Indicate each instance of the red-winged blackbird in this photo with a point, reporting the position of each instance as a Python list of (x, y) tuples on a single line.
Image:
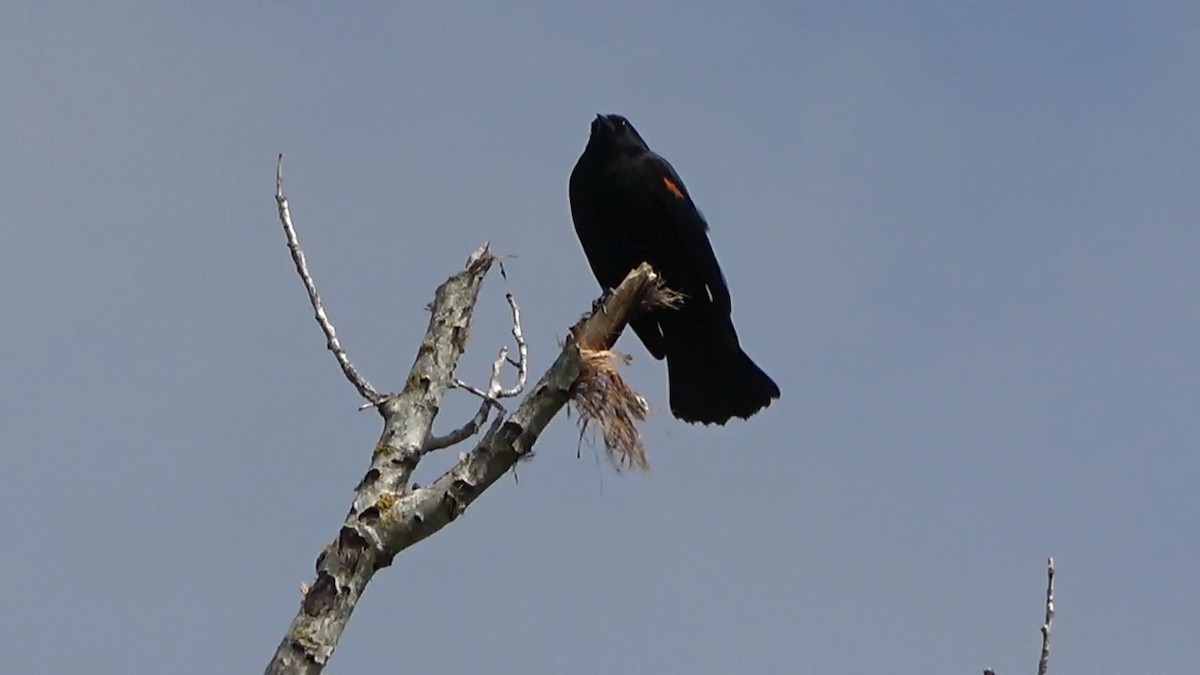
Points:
[(630, 207)]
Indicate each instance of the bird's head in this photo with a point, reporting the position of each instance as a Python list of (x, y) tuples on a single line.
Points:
[(613, 134)]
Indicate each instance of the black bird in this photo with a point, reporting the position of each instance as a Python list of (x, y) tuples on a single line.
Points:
[(630, 207)]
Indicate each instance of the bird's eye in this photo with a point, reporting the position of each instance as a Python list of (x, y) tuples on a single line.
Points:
[(623, 122)]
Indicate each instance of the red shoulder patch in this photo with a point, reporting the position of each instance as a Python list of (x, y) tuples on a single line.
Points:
[(672, 188)]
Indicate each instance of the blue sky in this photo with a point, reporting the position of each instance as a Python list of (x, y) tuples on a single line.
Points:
[(962, 237)]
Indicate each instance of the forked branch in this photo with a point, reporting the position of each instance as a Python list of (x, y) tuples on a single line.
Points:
[(495, 390), (388, 515)]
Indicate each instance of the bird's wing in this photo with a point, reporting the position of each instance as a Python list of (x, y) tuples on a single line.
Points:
[(690, 230), (648, 331)]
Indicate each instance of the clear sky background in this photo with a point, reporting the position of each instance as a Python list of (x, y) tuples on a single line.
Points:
[(962, 237)]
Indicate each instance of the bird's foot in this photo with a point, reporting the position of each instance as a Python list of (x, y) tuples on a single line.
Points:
[(598, 303)]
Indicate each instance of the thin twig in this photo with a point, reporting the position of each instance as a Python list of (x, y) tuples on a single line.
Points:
[(480, 417), (1044, 661), (491, 396), (522, 350), (360, 383), (495, 390)]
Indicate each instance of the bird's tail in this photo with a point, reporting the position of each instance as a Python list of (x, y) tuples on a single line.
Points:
[(711, 378)]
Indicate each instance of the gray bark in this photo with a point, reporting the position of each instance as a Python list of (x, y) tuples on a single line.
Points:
[(387, 515)]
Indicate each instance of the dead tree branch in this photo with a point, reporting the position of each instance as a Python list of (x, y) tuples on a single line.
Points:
[(495, 390), (387, 516), (360, 383), (522, 349), (1044, 660)]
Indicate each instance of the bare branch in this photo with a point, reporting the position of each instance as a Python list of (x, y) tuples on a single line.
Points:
[(522, 350), (495, 390), (385, 518), (1044, 660), (427, 510), (360, 383), (490, 396), (462, 433), (481, 416), (348, 562)]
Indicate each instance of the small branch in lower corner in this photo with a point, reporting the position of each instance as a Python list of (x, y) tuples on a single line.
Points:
[(1044, 660)]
